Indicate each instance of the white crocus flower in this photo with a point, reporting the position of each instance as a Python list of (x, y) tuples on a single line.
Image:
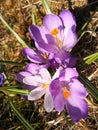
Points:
[(42, 82)]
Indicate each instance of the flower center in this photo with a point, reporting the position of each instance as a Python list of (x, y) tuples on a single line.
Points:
[(55, 32), (66, 93), (45, 85), (44, 55)]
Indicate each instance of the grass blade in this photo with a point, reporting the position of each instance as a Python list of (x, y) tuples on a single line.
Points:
[(23, 43), (92, 89), (89, 59), (20, 117), (46, 7), (18, 91)]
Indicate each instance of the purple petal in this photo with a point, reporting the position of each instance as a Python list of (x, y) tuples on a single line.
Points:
[(79, 111), (68, 74), (56, 92), (51, 22), (77, 88), (31, 55), (62, 57), (37, 33), (72, 62), (20, 76), (28, 87), (59, 102), (42, 38), (68, 19), (32, 68), (1, 79), (69, 40)]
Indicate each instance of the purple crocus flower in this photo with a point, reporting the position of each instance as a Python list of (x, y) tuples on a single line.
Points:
[(46, 60), (53, 40), (1, 79), (67, 90), (40, 83)]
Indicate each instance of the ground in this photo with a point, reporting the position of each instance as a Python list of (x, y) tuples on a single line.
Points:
[(18, 13)]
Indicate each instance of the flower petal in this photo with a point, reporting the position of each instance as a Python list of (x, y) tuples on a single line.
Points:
[(33, 80), (27, 87), (36, 93), (32, 68), (48, 102), (43, 40), (57, 73), (68, 74), (45, 75), (1, 79), (59, 102), (20, 76), (32, 55), (62, 57), (40, 31), (51, 22), (68, 19), (79, 110), (77, 88), (69, 39), (56, 92), (72, 62)]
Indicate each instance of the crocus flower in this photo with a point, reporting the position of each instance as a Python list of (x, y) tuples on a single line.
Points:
[(56, 37), (68, 91), (1, 79), (41, 82), (30, 69), (47, 59)]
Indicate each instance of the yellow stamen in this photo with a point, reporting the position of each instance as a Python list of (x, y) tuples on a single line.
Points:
[(44, 55), (45, 85), (58, 42), (55, 31), (66, 94)]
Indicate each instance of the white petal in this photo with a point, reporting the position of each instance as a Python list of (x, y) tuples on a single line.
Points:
[(48, 102), (36, 93), (45, 74), (33, 80), (56, 75)]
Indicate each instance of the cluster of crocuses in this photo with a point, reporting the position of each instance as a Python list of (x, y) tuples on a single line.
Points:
[(54, 41)]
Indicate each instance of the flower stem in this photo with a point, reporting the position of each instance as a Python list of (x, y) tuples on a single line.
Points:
[(46, 7)]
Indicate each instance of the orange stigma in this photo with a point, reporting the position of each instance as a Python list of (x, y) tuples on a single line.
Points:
[(66, 94), (55, 31)]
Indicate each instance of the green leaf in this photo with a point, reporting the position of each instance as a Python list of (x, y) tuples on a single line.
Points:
[(11, 62), (46, 7), (91, 58), (33, 16), (23, 43), (91, 88), (18, 91), (20, 117)]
